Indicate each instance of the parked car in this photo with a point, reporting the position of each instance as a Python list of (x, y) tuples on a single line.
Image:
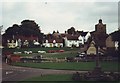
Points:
[(15, 58), (41, 51), (81, 54), (100, 53), (51, 51), (28, 52), (61, 50), (17, 52), (34, 59)]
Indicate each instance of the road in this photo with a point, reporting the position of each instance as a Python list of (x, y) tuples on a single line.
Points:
[(14, 73)]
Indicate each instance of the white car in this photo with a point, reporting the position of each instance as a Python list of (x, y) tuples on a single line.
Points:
[(30, 52), (82, 54), (17, 52), (26, 52), (41, 51)]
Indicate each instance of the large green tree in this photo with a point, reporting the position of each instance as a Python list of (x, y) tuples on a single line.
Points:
[(71, 30), (27, 28), (13, 30)]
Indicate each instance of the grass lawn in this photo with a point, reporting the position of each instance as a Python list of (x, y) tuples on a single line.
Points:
[(106, 66), (60, 55), (53, 55), (69, 52), (56, 77)]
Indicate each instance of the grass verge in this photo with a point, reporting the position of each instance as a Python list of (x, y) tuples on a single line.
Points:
[(106, 66)]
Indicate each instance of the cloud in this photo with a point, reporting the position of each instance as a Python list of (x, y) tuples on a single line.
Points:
[(61, 15)]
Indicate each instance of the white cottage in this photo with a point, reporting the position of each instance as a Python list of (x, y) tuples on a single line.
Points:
[(81, 39), (73, 40), (53, 43), (11, 44)]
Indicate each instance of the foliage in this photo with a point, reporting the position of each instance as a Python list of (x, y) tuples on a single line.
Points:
[(14, 30), (27, 28), (71, 30)]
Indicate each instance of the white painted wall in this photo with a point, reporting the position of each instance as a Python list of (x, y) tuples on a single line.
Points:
[(87, 36), (52, 45), (69, 43), (81, 39)]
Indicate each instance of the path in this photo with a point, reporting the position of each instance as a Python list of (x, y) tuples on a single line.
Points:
[(14, 73)]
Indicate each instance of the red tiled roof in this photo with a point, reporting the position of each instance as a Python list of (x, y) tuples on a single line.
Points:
[(72, 37), (63, 35)]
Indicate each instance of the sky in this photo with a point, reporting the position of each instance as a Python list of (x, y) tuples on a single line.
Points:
[(60, 15)]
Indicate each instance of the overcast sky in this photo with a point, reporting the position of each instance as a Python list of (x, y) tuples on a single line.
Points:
[(60, 15)]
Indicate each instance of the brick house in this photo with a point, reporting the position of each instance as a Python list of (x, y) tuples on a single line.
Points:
[(110, 44), (99, 35), (18, 40)]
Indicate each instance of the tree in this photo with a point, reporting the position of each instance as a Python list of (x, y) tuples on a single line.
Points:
[(14, 30), (57, 31), (31, 27), (71, 30), (27, 28), (54, 32)]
